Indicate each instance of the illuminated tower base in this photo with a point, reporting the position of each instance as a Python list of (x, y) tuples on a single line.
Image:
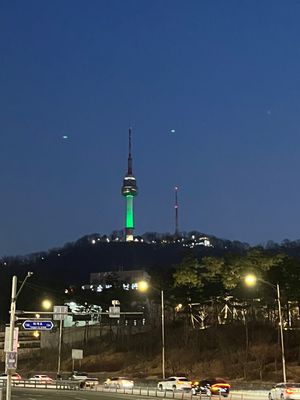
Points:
[(129, 224)]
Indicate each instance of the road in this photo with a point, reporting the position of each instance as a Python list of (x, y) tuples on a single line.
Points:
[(19, 393), (52, 394)]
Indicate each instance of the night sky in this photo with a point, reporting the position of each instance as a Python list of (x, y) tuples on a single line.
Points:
[(74, 75)]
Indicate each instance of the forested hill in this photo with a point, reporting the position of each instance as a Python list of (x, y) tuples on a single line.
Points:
[(73, 262)]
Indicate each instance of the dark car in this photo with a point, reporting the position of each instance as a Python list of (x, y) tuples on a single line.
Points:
[(211, 387)]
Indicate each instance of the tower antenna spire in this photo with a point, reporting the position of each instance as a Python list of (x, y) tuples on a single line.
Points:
[(129, 152), (176, 212)]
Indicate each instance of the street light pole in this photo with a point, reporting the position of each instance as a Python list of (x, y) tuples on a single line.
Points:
[(163, 333), (250, 280), (14, 296), (11, 331), (59, 348), (281, 333), (143, 286)]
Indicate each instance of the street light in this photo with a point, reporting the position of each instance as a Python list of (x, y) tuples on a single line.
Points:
[(143, 286), (47, 304), (14, 296), (251, 280)]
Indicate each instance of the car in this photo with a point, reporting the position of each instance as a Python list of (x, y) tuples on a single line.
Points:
[(41, 378), (211, 386), (285, 391), (119, 383), (84, 379), (15, 378), (175, 383), (79, 376)]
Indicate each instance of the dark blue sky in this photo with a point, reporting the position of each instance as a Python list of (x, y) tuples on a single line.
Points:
[(224, 74)]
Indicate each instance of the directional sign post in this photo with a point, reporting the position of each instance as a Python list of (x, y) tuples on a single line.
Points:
[(32, 325), (15, 340), (114, 312)]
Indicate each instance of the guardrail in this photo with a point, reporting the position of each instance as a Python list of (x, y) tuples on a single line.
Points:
[(180, 394), (141, 391), (58, 384)]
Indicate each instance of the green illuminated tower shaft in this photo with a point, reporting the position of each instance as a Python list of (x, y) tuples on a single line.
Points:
[(129, 190)]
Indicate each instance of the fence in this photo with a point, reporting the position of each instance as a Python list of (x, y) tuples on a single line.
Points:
[(141, 391), (59, 384)]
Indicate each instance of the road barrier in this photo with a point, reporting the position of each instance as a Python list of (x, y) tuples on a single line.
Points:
[(180, 394), (141, 391), (59, 384)]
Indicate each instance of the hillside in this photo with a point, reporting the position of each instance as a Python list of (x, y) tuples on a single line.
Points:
[(218, 351)]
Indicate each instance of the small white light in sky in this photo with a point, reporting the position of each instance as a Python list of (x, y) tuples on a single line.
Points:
[(173, 131), (65, 137)]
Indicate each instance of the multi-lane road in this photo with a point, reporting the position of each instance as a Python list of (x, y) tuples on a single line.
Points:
[(53, 394)]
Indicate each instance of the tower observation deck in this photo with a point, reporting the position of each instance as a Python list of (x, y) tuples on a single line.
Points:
[(129, 191)]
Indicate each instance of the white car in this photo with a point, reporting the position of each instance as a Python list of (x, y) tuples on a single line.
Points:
[(119, 383), (84, 379), (285, 391), (15, 377), (79, 376), (41, 378), (175, 383)]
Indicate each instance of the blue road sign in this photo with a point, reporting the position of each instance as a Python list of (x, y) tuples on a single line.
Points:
[(37, 325)]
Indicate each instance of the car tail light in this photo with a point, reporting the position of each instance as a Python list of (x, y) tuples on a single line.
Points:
[(221, 385), (289, 391)]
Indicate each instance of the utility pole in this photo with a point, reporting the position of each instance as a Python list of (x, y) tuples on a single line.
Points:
[(59, 348), (163, 333), (281, 333), (11, 332), (14, 296)]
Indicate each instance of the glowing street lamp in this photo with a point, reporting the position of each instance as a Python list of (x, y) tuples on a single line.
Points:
[(46, 304), (251, 280), (143, 286)]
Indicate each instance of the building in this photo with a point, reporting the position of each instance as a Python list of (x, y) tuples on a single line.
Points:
[(126, 279)]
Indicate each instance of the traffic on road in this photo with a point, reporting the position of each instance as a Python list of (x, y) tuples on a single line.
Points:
[(179, 387)]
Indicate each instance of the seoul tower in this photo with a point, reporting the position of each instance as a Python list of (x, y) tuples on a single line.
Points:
[(129, 190)]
